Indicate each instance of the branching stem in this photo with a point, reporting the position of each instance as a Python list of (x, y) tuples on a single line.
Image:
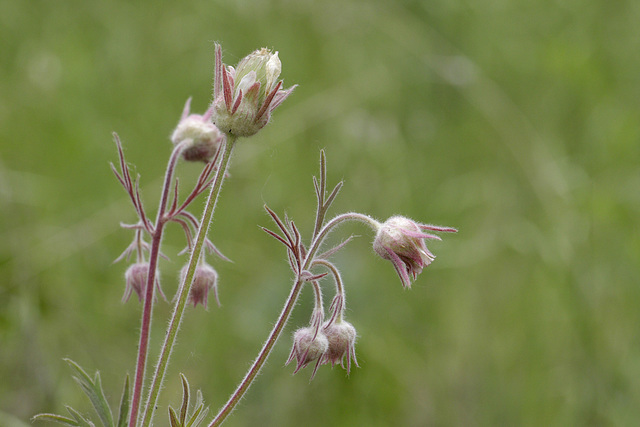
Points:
[(143, 346), (285, 313)]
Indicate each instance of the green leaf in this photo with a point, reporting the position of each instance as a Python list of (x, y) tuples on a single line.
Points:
[(199, 413), (185, 399), (93, 390), (173, 418), (80, 420), (56, 418), (124, 404)]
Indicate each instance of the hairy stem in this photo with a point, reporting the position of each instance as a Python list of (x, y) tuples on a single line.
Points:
[(284, 315), (143, 346), (324, 231), (262, 356), (185, 285)]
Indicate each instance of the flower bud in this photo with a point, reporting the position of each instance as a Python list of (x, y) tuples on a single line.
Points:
[(136, 280), (401, 240), (205, 279), (245, 97), (342, 339), (308, 345), (202, 138)]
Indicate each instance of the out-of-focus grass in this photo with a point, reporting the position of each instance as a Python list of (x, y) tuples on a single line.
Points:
[(517, 122)]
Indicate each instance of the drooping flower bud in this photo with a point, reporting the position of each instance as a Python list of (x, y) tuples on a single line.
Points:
[(205, 279), (308, 345), (245, 97), (136, 280), (202, 137), (401, 240), (342, 339)]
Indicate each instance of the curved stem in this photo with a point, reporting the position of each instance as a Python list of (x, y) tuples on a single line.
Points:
[(185, 286), (262, 356), (324, 232), (338, 311), (143, 346), (284, 315)]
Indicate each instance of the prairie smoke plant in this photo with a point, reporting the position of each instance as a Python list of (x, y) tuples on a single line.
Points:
[(243, 100)]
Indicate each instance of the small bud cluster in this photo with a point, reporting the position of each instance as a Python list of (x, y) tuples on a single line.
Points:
[(331, 341)]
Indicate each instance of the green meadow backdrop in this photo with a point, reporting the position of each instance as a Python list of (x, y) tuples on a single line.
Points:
[(517, 122)]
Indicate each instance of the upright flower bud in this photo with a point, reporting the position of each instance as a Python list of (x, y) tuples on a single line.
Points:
[(202, 137), (205, 279), (401, 240), (245, 97), (342, 339), (136, 280), (308, 345)]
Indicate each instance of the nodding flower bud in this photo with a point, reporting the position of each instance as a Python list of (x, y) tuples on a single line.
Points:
[(308, 345), (201, 137), (245, 97), (342, 339), (205, 279), (402, 241), (136, 280)]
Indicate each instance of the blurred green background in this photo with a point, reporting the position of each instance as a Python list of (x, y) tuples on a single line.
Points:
[(515, 121)]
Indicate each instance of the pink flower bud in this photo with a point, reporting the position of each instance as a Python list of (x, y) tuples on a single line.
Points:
[(342, 339), (136, 280), (401, 240), (204, 280), (202, 137), (308, 346), (245, 97)]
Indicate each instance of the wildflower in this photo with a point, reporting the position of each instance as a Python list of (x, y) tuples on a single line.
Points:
[(401, 240), (202, 136), (205, 279), (309, 345), (342, 339), (245, 97), (136, 280)]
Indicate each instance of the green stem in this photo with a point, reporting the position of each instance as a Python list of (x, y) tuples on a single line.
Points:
[(143, 346), (185, 286), (286, 312)]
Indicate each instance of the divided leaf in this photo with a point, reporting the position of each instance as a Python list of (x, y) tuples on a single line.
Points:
[(93, 390)]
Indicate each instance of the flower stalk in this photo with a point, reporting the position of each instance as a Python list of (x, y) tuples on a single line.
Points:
[(285, 314), (185, 285), (143, 346)]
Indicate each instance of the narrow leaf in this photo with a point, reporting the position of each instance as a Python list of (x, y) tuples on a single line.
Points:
[(279, 223), (199, 413), (93, 390), (55, 418), (185, 399), (124, 404), (333, 195), (335, 249), (318, 194), (276, 236), (173, 418), (81, 420)]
